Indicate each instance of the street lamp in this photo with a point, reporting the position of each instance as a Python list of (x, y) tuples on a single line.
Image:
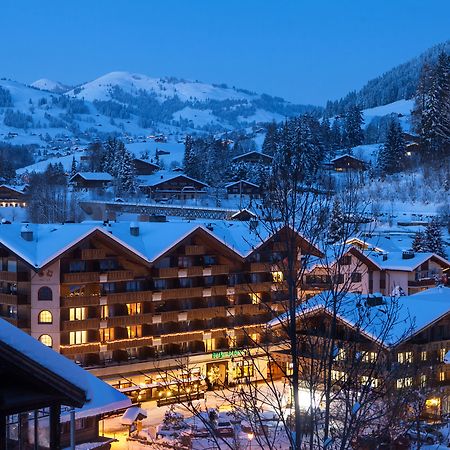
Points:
[(250, 438)]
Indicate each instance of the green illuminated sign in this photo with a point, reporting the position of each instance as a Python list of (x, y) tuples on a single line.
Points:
[(228, 354)]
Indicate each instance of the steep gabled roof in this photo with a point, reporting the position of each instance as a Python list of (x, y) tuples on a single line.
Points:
[(92, 176), (88, 393), (239, 182), (255, 153)]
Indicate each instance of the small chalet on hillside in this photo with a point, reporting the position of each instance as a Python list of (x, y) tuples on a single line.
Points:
[(241, 188), (143, 167), (254, 157), (38, 391), (176, 186), (91, 180), (12, 196), (345, 163)]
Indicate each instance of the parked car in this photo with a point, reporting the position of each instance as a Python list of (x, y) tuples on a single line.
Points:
[(426, 428), (224, 428), (422, 436)]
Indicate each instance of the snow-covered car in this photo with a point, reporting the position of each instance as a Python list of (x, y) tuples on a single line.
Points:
[(224, 428), (422, 436), (430, 429)]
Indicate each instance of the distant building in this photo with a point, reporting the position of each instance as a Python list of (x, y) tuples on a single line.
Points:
[(169, 185), (38, 391), (345, 163), (12, 196), (143, 167), (254, 157), (242, 188), (91, 180)]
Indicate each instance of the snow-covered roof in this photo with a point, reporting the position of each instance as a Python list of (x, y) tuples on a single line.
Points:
[(241, 181), (18, 189), (163, 176), (253, 152), (406, 315), (154, 239), (396, 261), (93, 176), (347, 155), (100, 396)]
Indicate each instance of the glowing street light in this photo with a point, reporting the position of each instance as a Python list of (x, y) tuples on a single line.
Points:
[(250, 437)]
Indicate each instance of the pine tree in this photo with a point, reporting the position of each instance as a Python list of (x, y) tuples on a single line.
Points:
[(269, 145), (433, 238), (336, 135), (189, 160), (419, 244), (336, 226), (392, 154), (353, 133), (73, 169), (126, 177)]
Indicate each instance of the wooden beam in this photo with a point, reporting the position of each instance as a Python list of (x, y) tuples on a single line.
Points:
[(55, 427)]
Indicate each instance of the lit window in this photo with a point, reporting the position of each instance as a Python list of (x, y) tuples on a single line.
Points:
[(45, 317), (441, 376), (78, 337), (133, 308), (369, 357), (104, 312), (244, 369), (404, 382), (372, 382), (255, 298), (210, 345), (405, 357), (277, 277), (77, 313), (134, 331), (423, 356), (106, 334), (46, 340), (340, 355), (337, 375), (442, 353), (45, 293), (423, 381)]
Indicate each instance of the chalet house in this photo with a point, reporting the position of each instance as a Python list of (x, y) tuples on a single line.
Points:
[(414, 354), (242, 188), (91, 180), (143, 167), (12, 196), (172, 186), (44, 396), (346, 163), (105, 294), (254, 157), (366, 268)]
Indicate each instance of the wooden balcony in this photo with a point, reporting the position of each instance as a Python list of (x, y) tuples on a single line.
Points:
[(260, 267), (8, 299), (220, 269), (75, 325), (219, 290), (195, 250), (128, 343), (81, 277), (185, 337), (69, 350), (248, 288), (8, 276), (168, 272), (120, 275), (129, 297), (80, 300), (169, 294), (132, 319), (425, 282), (93, 253)]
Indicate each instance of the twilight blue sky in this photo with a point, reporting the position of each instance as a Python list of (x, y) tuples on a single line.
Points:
[(304, 50)]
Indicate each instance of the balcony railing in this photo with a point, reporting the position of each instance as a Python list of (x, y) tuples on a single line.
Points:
[(8, 276), (93, 253), (195, 250), (119, 275), (81, 277), (77, 349), (76, 325), (129, 297), (80, 300)]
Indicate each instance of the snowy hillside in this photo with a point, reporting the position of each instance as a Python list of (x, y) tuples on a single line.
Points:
[(50, 85)]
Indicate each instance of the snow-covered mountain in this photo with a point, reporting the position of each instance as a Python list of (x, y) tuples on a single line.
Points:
[(45, 84)]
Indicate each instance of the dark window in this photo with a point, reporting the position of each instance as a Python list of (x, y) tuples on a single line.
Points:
[(160, 285), (209, 260), (356, 277), (133, 286), (77, 266), (338, 279), (346, 260), (108, 288), (108, 264), (185, 282), (45, 293)]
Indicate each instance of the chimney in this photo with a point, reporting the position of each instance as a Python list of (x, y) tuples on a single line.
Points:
[(407, 254), (26, 233), (134, 229)]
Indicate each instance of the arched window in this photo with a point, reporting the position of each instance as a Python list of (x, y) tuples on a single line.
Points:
[(45, 317), (46, 340), (45, 293)]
